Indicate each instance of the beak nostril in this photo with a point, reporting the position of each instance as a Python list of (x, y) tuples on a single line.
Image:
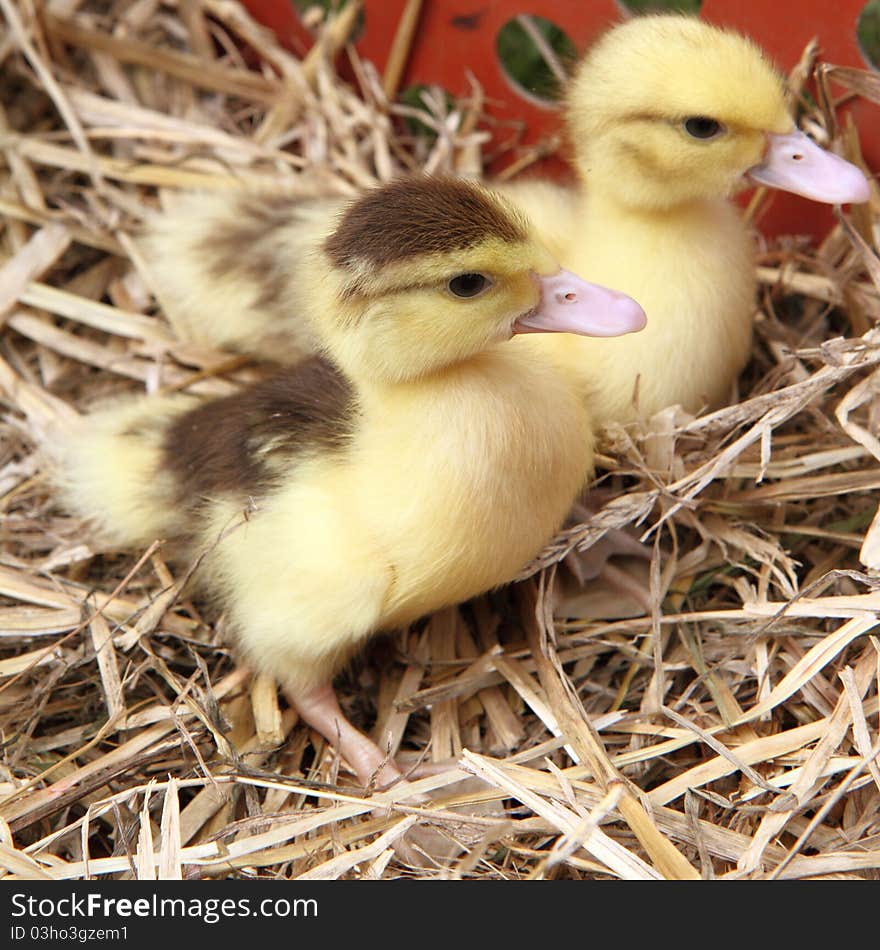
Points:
[(571, 296), (798, 158)]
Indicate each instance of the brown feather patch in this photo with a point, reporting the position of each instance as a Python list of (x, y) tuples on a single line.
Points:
[(414, 216), (237, 444), (245, 246), (252, 221)]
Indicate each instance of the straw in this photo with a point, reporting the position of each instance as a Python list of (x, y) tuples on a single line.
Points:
[(724, 726)]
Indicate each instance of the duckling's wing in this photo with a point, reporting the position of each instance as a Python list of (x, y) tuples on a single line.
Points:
[(141, 470), (246, 443)]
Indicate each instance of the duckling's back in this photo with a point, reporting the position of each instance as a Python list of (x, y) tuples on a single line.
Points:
[(227, 269)]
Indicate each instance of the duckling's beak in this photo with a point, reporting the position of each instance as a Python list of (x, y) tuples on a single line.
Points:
[(795, 163), (571, 305)]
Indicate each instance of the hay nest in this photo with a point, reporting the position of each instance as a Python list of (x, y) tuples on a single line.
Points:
[(728, 731)]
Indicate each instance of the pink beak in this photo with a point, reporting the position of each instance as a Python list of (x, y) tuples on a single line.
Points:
[(795, 163), (571, 305)]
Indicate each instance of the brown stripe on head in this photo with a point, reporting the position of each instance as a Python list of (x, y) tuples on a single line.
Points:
[(413, 216), (241, 444)]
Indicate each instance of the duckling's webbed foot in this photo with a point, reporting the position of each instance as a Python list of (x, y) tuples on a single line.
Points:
[(320, 709), (606, 559), (616, 543)]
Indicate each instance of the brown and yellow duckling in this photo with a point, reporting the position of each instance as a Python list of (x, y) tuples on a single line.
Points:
[(419, 461)]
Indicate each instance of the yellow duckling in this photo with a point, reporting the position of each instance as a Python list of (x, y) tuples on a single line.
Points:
[(668, 116), (419, 461)]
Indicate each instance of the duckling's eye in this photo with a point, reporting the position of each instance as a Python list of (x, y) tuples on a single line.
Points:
[(469, 285), (702, 127)]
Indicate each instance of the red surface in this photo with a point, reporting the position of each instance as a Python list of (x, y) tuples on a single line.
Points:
[(456, 36)]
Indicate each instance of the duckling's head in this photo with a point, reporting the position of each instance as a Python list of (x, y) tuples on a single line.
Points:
[(423, 273), (668, 109)]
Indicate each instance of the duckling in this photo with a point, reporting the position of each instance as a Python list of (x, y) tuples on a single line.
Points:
[(668, 116), (419, 460)]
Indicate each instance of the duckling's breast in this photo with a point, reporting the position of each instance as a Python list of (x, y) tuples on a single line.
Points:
[(461, 501), (693, 273)]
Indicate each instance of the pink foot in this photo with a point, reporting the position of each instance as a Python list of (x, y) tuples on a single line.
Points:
[(320, 709), (596, 562), (616, 543)]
